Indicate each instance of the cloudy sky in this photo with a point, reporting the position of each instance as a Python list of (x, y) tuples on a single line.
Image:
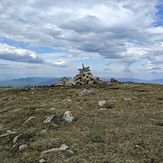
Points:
[(116, 38)]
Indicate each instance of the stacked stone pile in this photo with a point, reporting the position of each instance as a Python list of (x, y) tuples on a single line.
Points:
[(81, 79)]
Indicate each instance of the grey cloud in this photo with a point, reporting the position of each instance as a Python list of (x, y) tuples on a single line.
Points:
[(18, 58), (88, 26)]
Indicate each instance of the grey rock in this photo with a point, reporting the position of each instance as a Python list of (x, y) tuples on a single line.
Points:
[(127, 99), (63, 81), (43, 131), (101, 103), (70, 151), (68, 116), (30, 118), (8, 132), (49, 119), (16, 139), (68, 99), (42, 161), (63, 147), (23, 147), (112, 80), (86, 92), (103, 109)]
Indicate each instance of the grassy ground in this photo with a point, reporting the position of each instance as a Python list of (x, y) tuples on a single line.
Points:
[(129, 129)]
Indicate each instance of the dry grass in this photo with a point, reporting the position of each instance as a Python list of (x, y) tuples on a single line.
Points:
[(130, 130)]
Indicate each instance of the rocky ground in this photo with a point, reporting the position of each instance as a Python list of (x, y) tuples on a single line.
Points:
[(82, 124)]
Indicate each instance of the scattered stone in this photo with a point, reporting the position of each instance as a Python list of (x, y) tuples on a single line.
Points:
[(70, 151), (102, 103), (102, 108), (63, 147), (55, 125), (64, 81), (30, 118), (52, 109), (68, 99), (112, 80), (43, 131), (16, 139), (85, 92), (8, 132), (23, 147), (127, 99), (49, 119), (42, 161), (97, 139), (14, 145), (68, 116)]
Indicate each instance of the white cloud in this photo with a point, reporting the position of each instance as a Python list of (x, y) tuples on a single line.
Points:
[(119, 30), (11, 53)]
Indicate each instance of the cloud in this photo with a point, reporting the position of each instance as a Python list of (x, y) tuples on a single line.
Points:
[(123, 31), (18, 54)]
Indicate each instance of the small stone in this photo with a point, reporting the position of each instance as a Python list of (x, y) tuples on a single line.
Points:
[(102, 108), (63, 147), (49, 119), (43, 131), (22, 147), (70, 151), (8, 132), (42, 161), (30, 118), (68, 116), (67, 99), (127, 99), (112, 80), (85, 92), (52, 109), (102, 103), (16, 139), (14, 146)]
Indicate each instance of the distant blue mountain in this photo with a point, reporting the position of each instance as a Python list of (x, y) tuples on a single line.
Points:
[(40, 81), (30, 81), (124, 80), (157, 81)]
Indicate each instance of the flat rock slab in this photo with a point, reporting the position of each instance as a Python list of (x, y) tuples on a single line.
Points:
[(63, 147), (49, 119)]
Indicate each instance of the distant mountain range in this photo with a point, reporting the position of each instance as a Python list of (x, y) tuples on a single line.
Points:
[(32, 81)]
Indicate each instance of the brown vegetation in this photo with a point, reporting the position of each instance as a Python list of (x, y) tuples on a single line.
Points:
[(130, 130)]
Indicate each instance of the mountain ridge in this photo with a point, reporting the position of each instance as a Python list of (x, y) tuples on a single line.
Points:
[(32, 81)]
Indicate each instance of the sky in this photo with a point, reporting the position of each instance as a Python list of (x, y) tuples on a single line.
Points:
[(116, 38)]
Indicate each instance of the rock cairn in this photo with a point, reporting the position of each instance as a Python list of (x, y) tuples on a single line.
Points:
[(84, 77)]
